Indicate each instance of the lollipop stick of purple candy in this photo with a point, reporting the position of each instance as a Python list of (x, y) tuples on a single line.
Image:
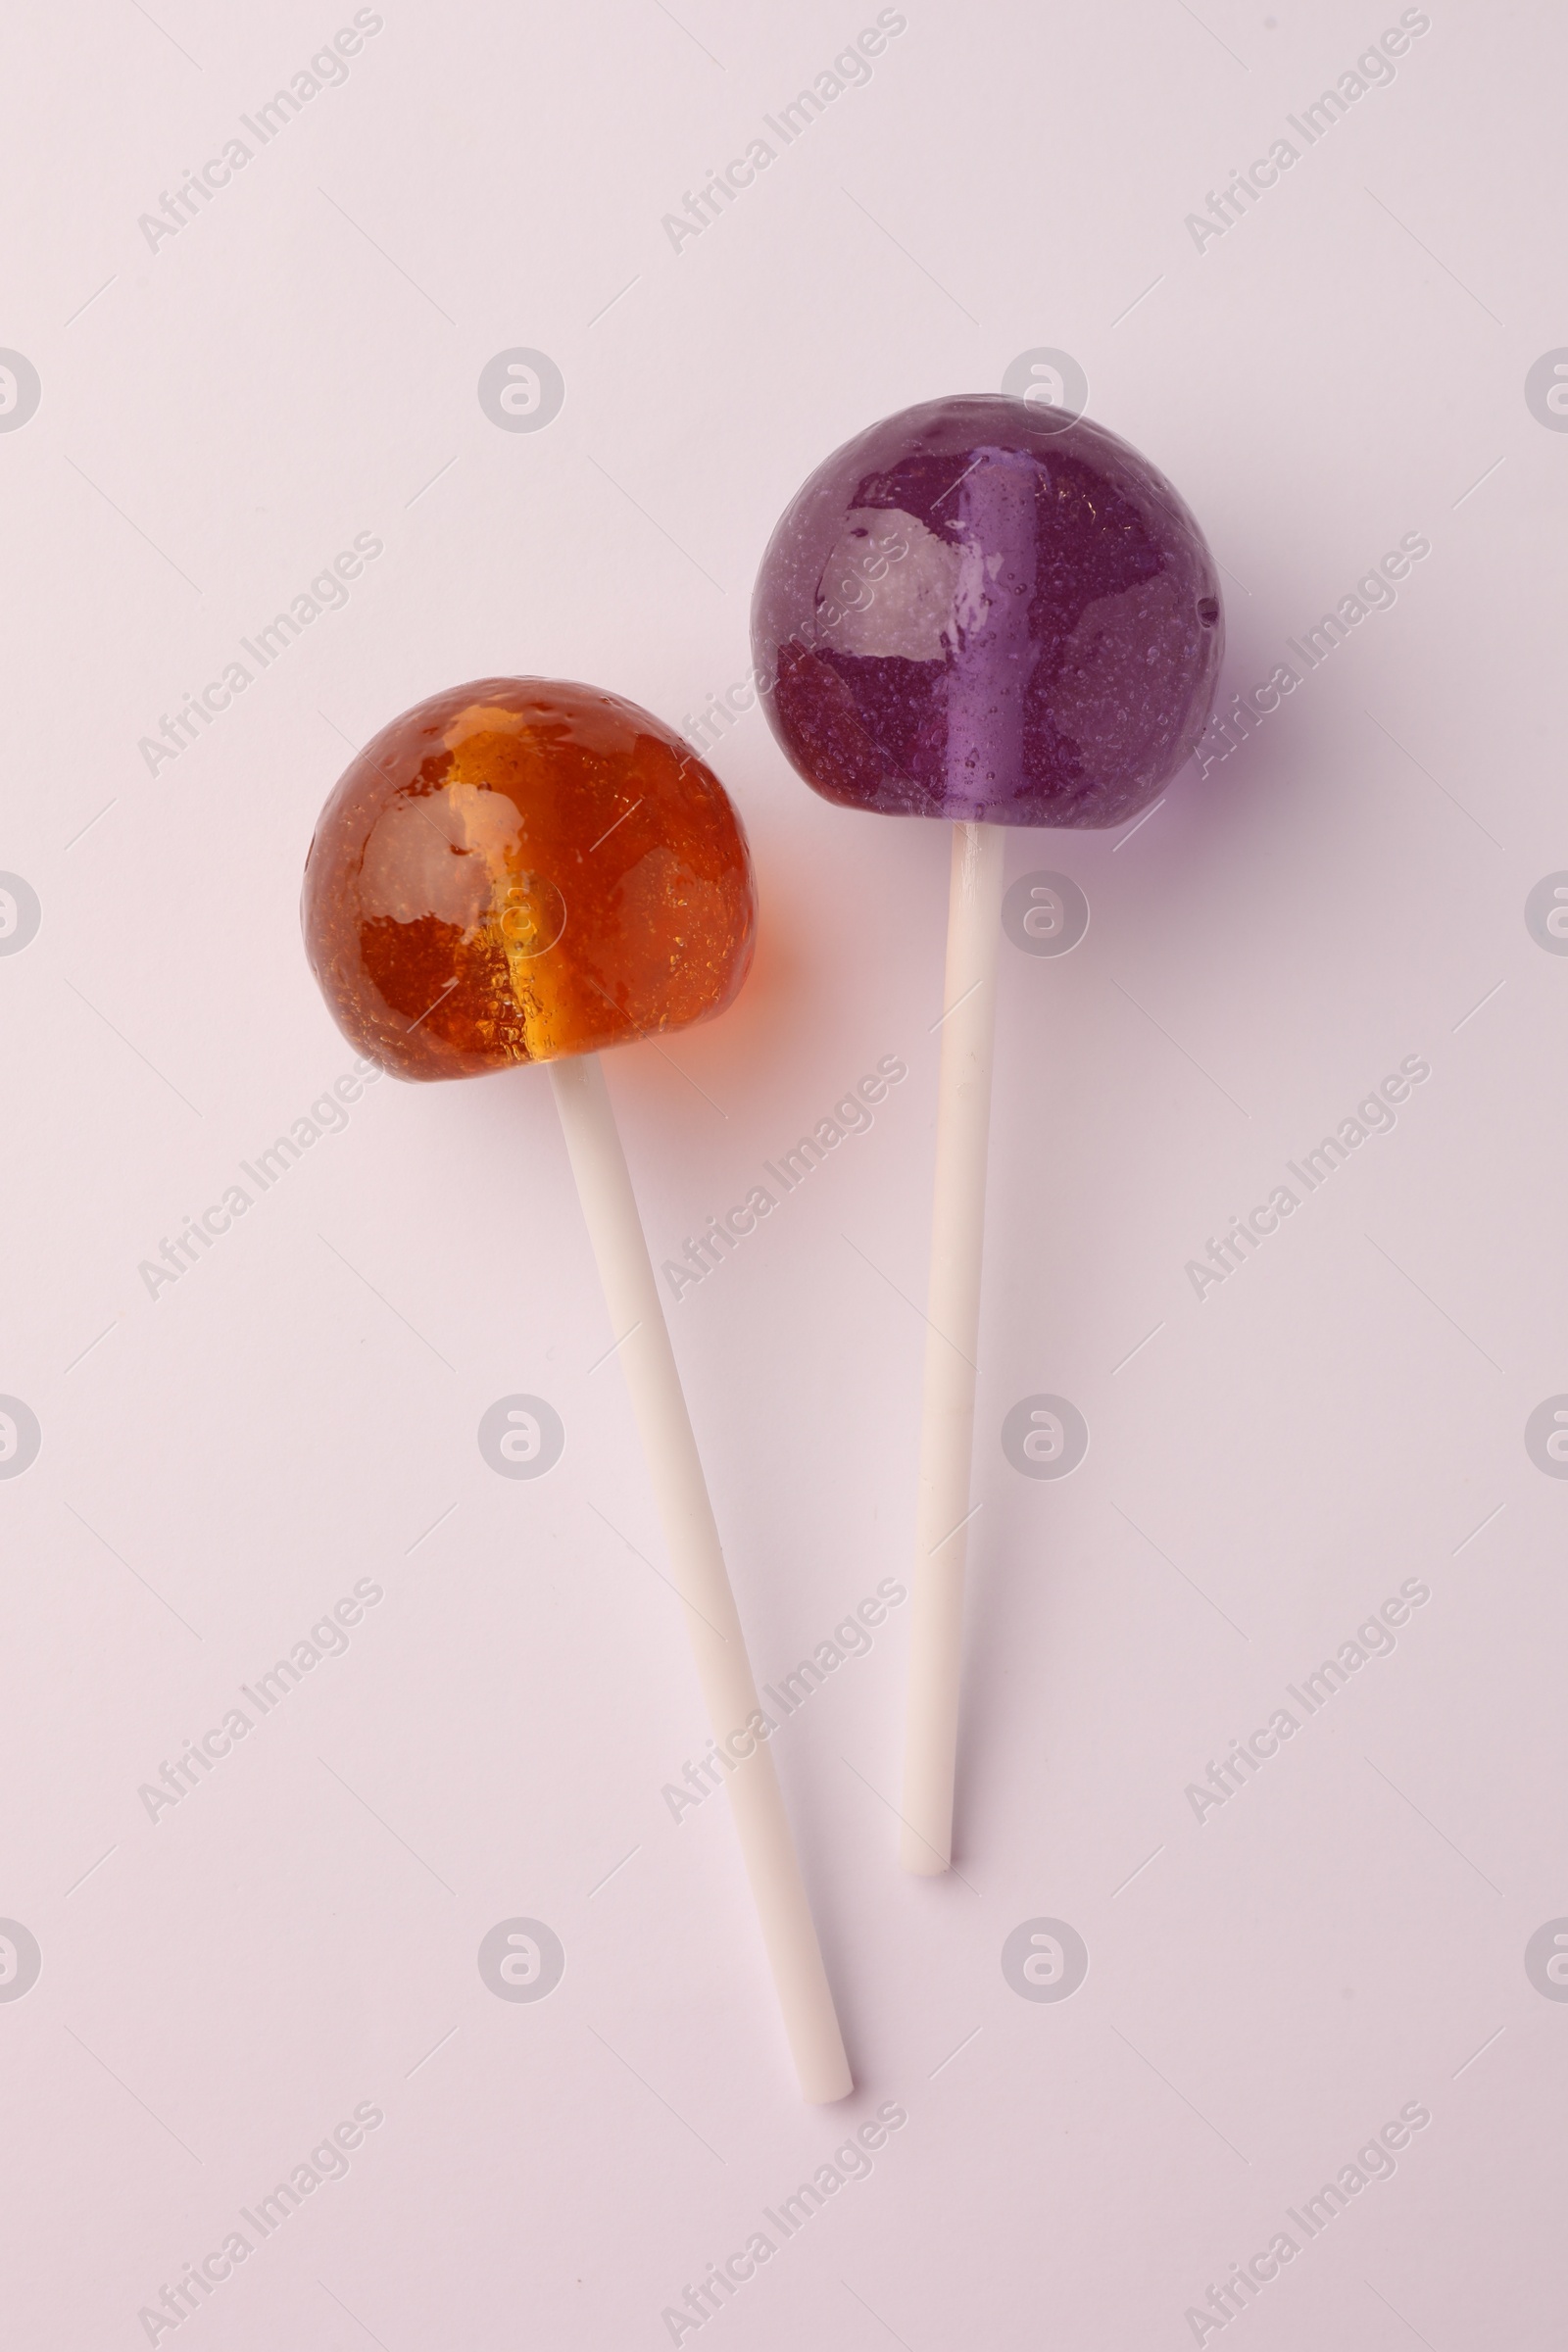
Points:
[(943, 1516), (1001, 615)]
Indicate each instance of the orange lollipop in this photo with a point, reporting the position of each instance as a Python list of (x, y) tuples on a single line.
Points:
[(514, 871), (517, 871)]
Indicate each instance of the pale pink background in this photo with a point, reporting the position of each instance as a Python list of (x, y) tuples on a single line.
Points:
[(300, 1933)]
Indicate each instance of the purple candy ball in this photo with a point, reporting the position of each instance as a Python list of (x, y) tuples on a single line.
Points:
[(979, 608)]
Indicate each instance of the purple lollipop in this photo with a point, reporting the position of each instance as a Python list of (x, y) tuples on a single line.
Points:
[(979, 610)]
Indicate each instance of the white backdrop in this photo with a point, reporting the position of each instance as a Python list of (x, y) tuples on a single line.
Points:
[(224, 1979)]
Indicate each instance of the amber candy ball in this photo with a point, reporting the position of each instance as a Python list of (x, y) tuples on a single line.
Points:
[(518, 869)]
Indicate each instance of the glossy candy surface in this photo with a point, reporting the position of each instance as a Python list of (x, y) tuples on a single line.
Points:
[(980, 610), (516, 870)]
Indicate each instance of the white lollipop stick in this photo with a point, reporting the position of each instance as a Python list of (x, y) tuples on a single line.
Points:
[(691, 1539), (989, 671), (952, 1330)]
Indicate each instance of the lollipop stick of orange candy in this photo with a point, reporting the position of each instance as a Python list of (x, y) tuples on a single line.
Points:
[(691, 1539), (522, 871), (1000, 614)]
